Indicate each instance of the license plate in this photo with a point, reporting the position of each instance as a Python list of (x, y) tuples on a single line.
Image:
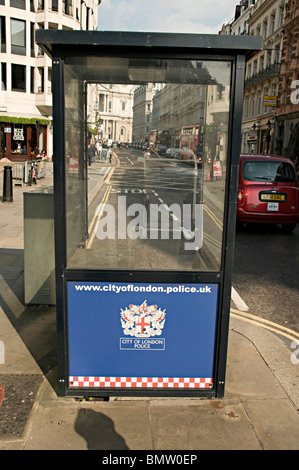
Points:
[(273, 197), (272, 206)]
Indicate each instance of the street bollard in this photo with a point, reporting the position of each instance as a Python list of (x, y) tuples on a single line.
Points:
[(7, 184)]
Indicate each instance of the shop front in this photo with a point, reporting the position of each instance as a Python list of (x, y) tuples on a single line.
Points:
[(22, 139)]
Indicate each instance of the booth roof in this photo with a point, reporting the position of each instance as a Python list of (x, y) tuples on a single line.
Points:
[(89, 42)]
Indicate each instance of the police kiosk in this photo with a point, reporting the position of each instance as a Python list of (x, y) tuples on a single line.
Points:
[(146, 149)]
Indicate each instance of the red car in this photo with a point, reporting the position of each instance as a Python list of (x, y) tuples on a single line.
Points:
[(268, 191)]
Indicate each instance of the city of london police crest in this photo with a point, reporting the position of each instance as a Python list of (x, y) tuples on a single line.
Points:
[(142, 321)]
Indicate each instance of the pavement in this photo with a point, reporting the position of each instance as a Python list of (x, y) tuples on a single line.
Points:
[(258, 412)]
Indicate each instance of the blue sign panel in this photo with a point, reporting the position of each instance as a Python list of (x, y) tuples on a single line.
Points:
[(141, 335)]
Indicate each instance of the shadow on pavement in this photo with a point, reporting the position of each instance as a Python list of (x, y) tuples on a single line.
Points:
[(98, 431)]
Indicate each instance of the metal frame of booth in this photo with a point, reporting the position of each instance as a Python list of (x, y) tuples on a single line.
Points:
[(62, 44)]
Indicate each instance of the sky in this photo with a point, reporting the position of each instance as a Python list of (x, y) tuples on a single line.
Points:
[(169, 16)]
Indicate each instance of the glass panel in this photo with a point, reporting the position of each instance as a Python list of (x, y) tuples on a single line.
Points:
[(154, 138), (18, 77), (18, 4), (18, 36), (75, 167)]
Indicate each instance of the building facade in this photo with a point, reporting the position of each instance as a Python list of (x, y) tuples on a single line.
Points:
[(110, 110), (26, 73), (142, 112), (262, 18), (287, 114)]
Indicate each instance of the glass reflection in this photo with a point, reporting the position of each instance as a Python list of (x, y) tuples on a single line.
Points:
[(146, 164)]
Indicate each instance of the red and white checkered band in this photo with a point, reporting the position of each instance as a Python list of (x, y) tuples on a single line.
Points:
[(141, 382)]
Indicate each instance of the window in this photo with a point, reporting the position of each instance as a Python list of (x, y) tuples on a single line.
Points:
[(18, 77), (265, 29), (281, 16), (259, 102), (252, 103), (266, 93), (220, 91), (277, 54), (246, 107), (54, 5), (18, 36), (40, 5), (67, 7), (267, 171), (3, 34), (3, 76), (249, 71), (41, 87), (290, 46), (18, 4), (31, 79), (101, 102), (269, 59), (272, 23), (32, 42)]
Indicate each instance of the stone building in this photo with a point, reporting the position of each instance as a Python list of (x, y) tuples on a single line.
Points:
[(287, 114), (110, 109)]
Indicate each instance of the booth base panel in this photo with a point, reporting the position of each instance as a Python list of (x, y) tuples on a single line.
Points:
[(141, 382)]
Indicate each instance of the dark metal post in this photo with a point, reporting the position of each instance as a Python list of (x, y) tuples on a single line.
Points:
[(7, 184)]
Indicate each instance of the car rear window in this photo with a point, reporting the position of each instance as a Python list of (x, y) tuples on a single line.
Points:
[(279, 172)]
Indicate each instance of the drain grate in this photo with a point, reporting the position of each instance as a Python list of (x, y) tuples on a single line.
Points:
[(19, 396)]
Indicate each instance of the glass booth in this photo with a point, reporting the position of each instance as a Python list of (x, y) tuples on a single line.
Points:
[(146, 148)]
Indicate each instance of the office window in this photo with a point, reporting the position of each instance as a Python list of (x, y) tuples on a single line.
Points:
[(18, 36), (54, 5), (3, 76), (32, 42), (31, 79), (2, 34), (18, 4), (18, 77), (67, 7), (40, 5), (41, 86)]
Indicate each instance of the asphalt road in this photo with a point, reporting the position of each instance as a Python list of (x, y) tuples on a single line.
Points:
[(265, 273)]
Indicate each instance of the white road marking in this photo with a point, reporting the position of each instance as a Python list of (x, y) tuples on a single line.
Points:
[(238, 301)]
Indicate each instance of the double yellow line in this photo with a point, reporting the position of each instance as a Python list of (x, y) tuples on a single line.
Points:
[(213, 217), (98, 215), (267, 324)]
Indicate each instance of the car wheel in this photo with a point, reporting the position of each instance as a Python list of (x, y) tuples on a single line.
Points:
[(288, 228)]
